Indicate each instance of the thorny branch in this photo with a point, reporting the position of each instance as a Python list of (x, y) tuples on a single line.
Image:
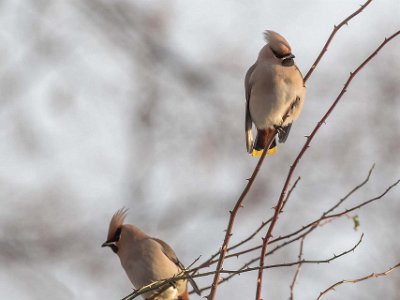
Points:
[(228, 233), (335, 30), (238, 205), (300, 155), (372, 275), (212, 260), (161, 285), (304, 231), (297, 273), (167, 282), (247, 268), (239, 202)]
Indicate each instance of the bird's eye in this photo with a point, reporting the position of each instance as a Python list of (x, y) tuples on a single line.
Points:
[(117, 234), (287, 62)]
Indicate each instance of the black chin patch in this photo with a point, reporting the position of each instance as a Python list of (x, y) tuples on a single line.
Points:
[(288, 62), (114, 248)]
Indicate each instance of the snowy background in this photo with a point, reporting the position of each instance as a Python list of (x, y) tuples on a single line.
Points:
[(106, 104)]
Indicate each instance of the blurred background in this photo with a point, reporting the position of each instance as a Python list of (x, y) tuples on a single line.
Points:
[(106, 104)]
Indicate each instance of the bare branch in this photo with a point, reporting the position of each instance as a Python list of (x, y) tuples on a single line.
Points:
[(302, 151), (159, 285), (236, 254), (296, 275), (352, 191), (335, 30), (372, 275), (346, 211), (228, 232), (211, 260), (290, 264), (304, 230)]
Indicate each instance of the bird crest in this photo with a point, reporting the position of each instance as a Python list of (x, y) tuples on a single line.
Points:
[(116, 222), (277, 42)]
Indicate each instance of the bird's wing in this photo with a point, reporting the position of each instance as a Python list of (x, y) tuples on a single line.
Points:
[(248, 121), (283, 132), (170, 253)]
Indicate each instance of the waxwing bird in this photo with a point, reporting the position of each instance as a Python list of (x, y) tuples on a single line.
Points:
[(275, 94), (146, 259)]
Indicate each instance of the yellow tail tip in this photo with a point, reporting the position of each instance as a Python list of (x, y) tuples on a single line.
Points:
[(257, 153)]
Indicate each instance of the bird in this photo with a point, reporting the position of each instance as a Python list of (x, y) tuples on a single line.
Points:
[(275, 92), (146, 259)]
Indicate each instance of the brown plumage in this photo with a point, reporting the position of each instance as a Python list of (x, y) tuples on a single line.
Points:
[(274, 91), (184, 296), (146, 259), (263, 136)]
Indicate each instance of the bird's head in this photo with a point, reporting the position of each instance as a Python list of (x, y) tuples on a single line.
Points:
[(279, 47), (114, 231)]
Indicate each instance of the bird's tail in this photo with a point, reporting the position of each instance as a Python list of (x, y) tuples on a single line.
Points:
[(184, 295), (263, 137)]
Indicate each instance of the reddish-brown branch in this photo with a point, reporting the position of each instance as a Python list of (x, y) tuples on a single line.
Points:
[(300, 155), (326, 216), (312, 224), (373, 275), (297, 273), (245, 269), (212, 260), (301, 233), (233, 213), (335, 30), (304, 230), (239, 204), (311, 227)]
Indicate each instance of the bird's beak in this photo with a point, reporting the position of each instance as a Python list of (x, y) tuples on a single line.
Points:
[(112, 245), (107, 244)]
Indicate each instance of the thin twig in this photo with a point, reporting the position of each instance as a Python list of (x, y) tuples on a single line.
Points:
[(249, 263), (161, 285), (337, 215), (290, 264), (302, 151), (211, 260), (346, 211), (239, 204), (335, 30), (228, 233), (263, 224), (296, 275), (307, 229), (352, 191), (372, 275)]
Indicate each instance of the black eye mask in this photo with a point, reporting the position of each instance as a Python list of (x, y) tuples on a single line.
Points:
[(117, 235), (286, 59), (287, 62)]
